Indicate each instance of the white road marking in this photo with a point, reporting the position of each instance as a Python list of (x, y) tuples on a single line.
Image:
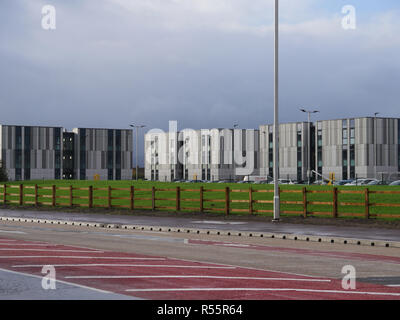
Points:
[(195, 277), (8, 231), (266, 289), (219, 222), (250, 268), (120, 265), (393, 285), (50, 250), (232, 245), (80, 257), (27, 244)]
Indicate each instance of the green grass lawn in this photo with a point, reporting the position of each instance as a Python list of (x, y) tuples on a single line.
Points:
[(238, 204)]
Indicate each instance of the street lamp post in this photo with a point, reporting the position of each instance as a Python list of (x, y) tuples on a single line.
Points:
[(137, 133), (276, 117), (309, 141)]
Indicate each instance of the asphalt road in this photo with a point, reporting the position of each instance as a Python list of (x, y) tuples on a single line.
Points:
[(355, 232), (99, 263)]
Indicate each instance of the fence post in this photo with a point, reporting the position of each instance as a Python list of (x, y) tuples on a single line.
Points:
[(90, 196), (153, 198), (201, 199), (36, 195), (132, 197), (227, 200), (71, 196), (21, 194), (335, 202), (251, 200), (367, 203), (305, 202), (109, 197), (178, 198), (53, 195), (5, 194)]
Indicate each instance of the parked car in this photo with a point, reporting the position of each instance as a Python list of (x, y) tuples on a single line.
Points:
[(321, 182), (283, 181), (377, 183), (262, 182), (223, 181), (395, 183), (356, 182), (342, 182)]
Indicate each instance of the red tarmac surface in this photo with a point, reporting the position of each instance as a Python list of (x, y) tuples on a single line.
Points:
[(163, 278)]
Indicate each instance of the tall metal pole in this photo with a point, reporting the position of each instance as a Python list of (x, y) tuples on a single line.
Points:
[(309, 148), (276, 117), (137, 166)]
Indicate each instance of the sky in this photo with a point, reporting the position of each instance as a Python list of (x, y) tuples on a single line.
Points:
[(204, 63)]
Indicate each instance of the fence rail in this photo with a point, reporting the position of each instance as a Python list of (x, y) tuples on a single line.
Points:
[(251, 201)]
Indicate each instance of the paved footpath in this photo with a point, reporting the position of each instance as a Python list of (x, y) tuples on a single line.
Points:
[(117, 274)]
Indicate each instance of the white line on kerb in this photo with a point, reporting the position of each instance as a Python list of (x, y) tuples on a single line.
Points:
[(195, 277), (26, 244), (7, 231), (50, 250), (120, 265), (82, 257), (60, 281), (265, 289)]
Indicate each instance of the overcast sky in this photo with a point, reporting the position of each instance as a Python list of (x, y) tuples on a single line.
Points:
[(204, 63)]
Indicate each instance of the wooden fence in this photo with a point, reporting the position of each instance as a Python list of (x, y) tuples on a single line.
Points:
[(227, 201)]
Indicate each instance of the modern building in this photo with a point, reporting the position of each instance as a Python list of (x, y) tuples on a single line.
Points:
[(105, 153), (295, 150), (34, 152), (216, 154), (367, 147)]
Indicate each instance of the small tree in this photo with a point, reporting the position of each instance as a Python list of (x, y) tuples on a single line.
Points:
[(3, 173)]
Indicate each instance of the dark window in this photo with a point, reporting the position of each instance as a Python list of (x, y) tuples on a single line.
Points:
[(57, 174), (27, 174), (57, 139), (110, 146), (57, 160), (68, 155), (82, 158), (118, 140), (345, 164), (27, 138), (110, 174), (18, 138), (82, 174), (82, 154), (118, 160), (18, 159), (27, 159), (18, 174), (110, 160), (27, 148)]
